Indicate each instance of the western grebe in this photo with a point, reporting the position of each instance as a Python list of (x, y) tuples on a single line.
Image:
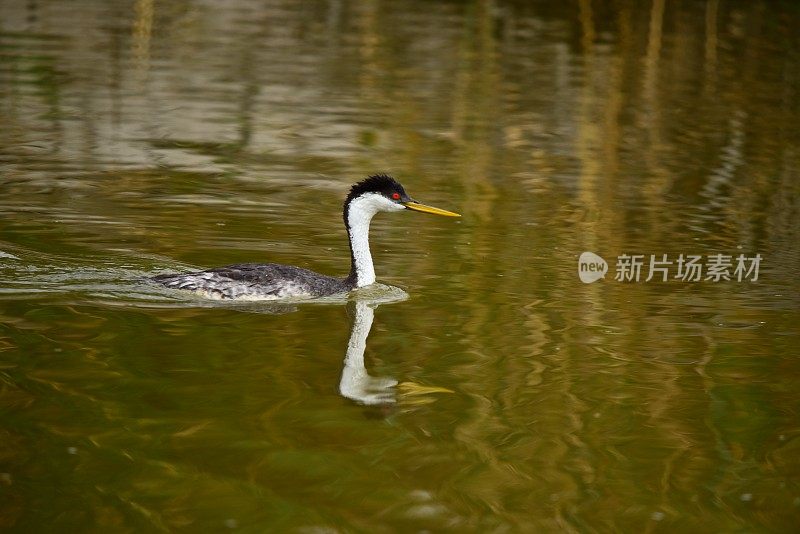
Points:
[(269, 281)]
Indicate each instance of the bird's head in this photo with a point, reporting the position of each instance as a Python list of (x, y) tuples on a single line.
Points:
[(381, 192)]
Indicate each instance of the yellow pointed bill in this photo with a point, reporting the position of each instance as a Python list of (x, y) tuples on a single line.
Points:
[(416, 206)]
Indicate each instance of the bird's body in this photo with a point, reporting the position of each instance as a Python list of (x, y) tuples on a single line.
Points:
[(273, 281), (257, 281)]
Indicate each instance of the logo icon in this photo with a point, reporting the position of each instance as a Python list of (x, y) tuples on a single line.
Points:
[(591, 267)]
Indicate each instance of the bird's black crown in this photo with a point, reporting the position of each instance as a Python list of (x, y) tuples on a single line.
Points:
[(382, 184)]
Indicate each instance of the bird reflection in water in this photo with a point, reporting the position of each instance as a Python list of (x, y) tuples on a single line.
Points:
[(356, 383)]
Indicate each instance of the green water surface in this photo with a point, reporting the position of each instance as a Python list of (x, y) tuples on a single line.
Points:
[(495, 391)]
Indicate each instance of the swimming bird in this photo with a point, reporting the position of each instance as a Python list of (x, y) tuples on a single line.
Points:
[(272, 281)]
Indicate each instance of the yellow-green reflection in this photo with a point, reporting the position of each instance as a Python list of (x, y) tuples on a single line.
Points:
[(139, 137)]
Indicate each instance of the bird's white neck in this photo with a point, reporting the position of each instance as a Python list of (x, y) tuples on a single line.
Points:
[(357, 218)]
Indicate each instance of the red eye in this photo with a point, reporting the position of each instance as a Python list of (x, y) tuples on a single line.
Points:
[(396, 196)]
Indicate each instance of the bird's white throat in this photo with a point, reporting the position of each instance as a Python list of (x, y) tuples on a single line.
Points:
[(359, 214)]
